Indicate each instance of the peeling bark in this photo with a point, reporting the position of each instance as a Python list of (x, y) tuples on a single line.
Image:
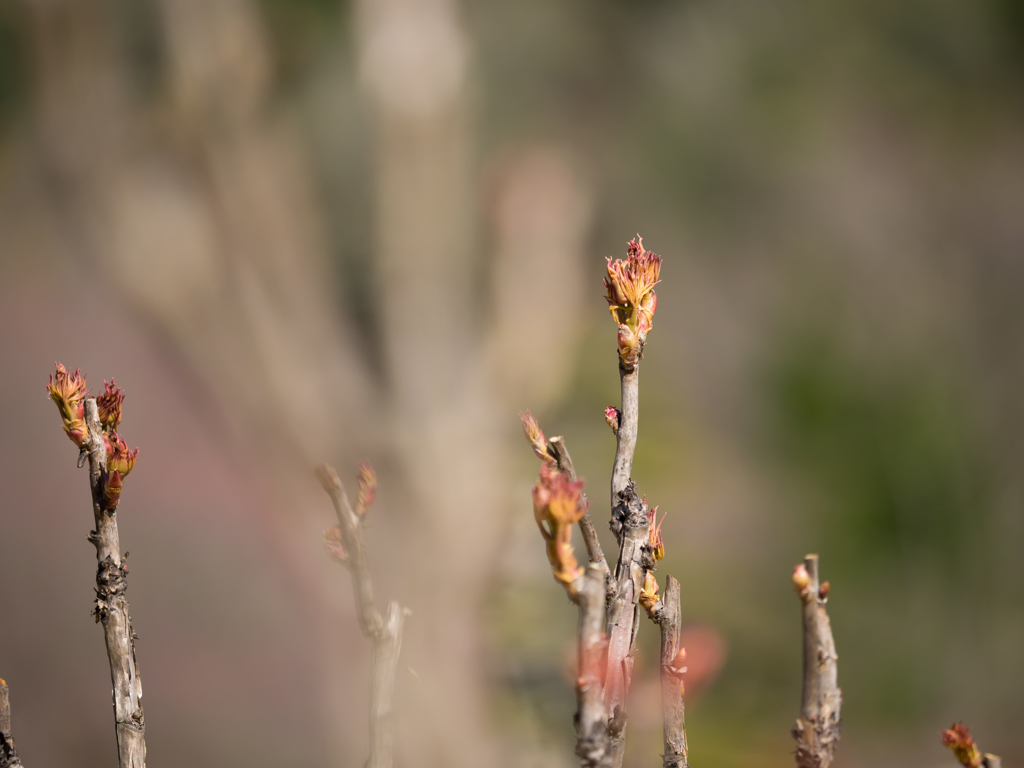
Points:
[(672, 710)]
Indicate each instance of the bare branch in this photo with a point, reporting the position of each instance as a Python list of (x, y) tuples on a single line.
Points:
[(817, 730), (632, 528), (672, 711), (629, 422), (592, 721), (8, 754), (352, 538), (386, 632), (112, 607)]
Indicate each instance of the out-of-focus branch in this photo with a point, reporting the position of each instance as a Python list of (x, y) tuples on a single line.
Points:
[(817, 730), (593, 544), (592, 721), (111, 604), (958, 738), (8, 754), (386, 632)]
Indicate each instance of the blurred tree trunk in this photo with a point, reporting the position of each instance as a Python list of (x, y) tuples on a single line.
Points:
[(198, 211)]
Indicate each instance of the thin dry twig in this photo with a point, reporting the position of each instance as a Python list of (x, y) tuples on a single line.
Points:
[(111, 608), (8, 753), (385, 632), (818, 728)]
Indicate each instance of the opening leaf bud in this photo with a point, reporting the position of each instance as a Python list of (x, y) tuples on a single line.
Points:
[(801, 578), (68, 391), (613, 415), (536, 438), (109, 406), (367, 480)]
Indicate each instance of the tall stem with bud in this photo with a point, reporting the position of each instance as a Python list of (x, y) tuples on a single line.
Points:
[(91, 424)]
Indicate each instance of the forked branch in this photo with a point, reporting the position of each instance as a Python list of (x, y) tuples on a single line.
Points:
[(345, 544)]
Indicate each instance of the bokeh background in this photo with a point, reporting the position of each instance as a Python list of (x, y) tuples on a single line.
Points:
[(304, 230)]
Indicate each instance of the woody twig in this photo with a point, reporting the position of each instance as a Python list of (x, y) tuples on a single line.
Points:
[(344, 543)]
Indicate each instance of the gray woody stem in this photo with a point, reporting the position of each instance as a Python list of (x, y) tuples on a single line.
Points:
[(561, 453), (817, 730), (112, 608), (592, 744), (386, 632), (8, 754), (631, 527), (672, 714)]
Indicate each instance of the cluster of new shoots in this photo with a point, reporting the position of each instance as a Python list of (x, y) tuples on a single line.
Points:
[(69, 392)]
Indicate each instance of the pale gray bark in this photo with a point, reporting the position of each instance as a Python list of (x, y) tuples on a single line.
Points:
[(672, 711), (592, 721), (385, 632), (111, 608), (8, 754), (817, 730), (631, 527)]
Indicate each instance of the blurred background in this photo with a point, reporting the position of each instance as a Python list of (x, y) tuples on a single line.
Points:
[(305, 230)]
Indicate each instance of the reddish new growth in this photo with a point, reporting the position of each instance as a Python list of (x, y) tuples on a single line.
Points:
[(109, 406), (556, 508), (120, 461), (367, 480), (68, 391), (958, 738), (632, 300), (613, 416), (334, 546), (536, 438)]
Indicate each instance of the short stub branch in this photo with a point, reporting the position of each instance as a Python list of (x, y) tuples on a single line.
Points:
[(817, 730)]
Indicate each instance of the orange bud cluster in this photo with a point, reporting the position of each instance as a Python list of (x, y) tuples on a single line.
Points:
[(649, 592), (556, 508), (632, 300), (536, 438), (68, 391), (958, 738), (120, 461), (367, 479)]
